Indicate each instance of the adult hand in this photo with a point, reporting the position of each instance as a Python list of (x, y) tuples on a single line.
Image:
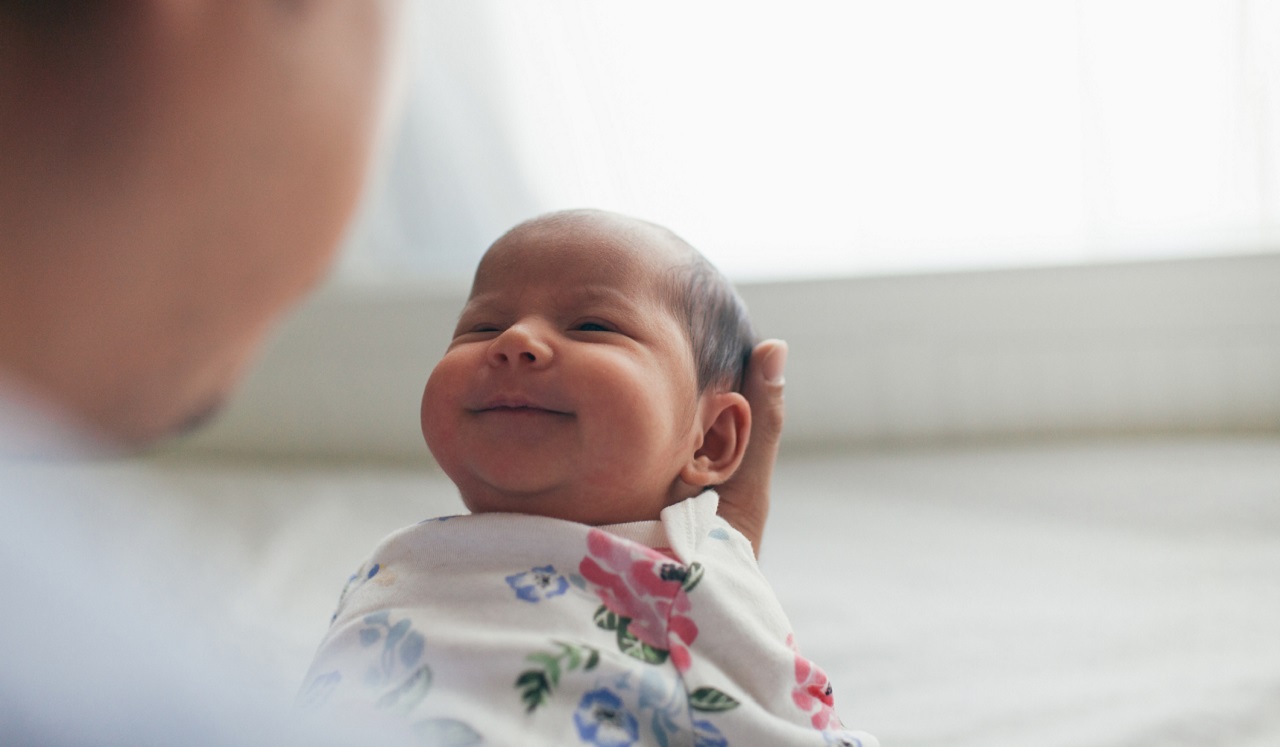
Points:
[(744, 499)]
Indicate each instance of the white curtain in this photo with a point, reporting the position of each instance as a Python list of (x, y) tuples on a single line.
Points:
[(818, 138)]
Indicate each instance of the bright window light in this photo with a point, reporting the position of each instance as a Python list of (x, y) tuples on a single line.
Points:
[(821, 138)]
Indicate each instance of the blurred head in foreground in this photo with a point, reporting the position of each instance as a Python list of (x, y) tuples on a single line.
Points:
[(176, 175)]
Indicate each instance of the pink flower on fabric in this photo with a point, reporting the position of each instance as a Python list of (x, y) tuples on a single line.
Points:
[(813, 691), (643, 585)]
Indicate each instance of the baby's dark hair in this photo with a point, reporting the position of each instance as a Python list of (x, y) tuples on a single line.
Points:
[(715, 316)]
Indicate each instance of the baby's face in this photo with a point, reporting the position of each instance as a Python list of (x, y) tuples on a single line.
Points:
[(569, 389)]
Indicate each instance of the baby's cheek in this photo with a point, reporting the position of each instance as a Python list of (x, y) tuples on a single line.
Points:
[(442, 404)]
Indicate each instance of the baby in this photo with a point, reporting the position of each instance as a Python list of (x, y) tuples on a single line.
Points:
[(585, 409)]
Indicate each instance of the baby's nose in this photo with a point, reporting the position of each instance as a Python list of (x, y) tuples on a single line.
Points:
[(520, 344)]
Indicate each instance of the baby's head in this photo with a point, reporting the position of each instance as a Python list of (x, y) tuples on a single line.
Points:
[(593, 373)]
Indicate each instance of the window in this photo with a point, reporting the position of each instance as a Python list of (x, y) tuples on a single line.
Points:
[(826, 138)]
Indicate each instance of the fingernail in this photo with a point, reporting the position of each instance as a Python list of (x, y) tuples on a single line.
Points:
[(771, 368)]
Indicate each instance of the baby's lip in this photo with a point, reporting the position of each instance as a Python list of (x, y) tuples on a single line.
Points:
[(507, 402)]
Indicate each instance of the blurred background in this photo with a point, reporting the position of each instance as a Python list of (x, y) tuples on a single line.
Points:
[(1027, 259), (993, 219), (829, 139)]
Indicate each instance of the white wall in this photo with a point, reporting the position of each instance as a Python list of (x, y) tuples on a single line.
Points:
[(1175, 346)]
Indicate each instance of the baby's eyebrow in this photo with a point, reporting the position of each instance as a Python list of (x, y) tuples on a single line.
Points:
[(477, 308), (569, 297), (600, 293), (481, 301)]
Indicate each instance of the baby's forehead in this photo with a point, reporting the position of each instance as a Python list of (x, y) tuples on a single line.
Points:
[(602, 251)]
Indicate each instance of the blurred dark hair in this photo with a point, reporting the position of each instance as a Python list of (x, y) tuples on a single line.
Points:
[(52, 17)]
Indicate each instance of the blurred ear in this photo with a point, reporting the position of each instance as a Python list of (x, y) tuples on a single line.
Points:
[(726, 426)]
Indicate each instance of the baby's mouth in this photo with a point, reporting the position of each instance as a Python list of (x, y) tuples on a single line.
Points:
[(517, 405), (522, 408)]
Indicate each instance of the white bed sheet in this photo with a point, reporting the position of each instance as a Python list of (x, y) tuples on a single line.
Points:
[(1093, 594), (1111, 593)]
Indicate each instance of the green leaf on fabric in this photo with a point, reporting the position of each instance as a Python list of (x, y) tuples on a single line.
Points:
[(637, 649), (534, 689), (608, 620), (535, 685), (693, 577), (550, 666), (711, 700)]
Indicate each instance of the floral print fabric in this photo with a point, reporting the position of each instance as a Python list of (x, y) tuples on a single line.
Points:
[(502, 629), (645, 587)]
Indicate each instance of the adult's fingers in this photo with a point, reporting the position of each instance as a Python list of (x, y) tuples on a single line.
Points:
[(744, 499)]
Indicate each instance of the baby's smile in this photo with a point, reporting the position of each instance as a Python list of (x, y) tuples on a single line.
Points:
[(518, 404)]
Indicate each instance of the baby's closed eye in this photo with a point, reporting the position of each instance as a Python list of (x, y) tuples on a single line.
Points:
[(479, 331)]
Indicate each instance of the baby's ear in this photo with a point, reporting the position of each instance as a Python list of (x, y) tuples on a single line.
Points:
[(726, 426)]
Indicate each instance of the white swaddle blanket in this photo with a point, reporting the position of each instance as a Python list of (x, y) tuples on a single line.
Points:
[(510, 629)]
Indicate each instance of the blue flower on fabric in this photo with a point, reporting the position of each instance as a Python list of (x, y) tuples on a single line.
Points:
[(319, 690), (841, 739), (537, 584), (705, 734), (604, 722), (401, 645)]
